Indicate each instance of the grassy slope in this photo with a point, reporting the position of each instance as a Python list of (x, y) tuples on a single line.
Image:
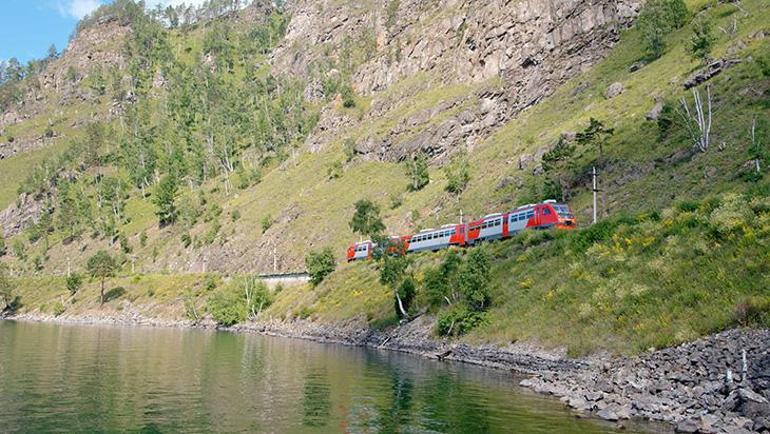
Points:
[(583, 307)]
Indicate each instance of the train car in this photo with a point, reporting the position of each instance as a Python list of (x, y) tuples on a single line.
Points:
[(436, 239), (490, 227), (359, 251)]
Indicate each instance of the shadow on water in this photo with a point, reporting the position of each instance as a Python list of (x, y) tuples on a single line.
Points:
[(112, 379)]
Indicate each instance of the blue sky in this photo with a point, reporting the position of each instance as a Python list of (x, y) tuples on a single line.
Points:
[(29, 27)]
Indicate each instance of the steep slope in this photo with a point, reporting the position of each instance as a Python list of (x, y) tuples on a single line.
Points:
[(276, 124)]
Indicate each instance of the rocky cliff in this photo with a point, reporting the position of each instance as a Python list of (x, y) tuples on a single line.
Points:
[(511, 54)]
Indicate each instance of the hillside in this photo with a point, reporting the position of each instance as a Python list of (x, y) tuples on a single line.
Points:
[(266, 125)]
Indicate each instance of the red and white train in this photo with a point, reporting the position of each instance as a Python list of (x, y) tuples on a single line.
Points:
[(548, 214)]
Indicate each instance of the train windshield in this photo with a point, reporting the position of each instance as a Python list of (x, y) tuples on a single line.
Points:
[(563, 211)]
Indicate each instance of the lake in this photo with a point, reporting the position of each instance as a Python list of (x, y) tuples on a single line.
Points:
[(77, 378)]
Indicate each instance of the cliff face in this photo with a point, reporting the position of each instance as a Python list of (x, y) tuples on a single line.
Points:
[(511, 54)]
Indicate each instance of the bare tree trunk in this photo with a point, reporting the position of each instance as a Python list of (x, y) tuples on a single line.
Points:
[(400, 304), (101, 294), (698, 123)]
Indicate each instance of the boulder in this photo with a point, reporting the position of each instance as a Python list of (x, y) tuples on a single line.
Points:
[(654, 112), (615, 89)]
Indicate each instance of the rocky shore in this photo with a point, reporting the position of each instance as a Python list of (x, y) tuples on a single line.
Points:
[(718, 384)]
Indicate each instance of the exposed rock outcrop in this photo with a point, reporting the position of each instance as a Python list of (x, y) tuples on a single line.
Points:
[(523, 50)]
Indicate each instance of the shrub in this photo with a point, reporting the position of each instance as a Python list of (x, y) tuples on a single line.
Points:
[(228, 307), (235, 215), (417, 171), (657, 19), (458, 173), (459, 320), (267, 222), (702, 40), (752, 312), (74, 281), (58, 308), (320, 264), (186, 239)]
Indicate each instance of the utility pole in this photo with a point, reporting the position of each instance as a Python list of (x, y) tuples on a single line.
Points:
[(595, 191), (461, 216)]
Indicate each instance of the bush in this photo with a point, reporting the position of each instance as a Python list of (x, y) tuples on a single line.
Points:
[(657, 19), (58, 308), (267, 222), (753, 312), (74, 281), (320, 264), (458, 173), (459, 320), (228, 307)]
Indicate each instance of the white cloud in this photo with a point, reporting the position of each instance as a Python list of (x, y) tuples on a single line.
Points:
[(77, 8)]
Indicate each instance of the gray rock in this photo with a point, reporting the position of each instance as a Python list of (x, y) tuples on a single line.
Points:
[(654, 112), (615, 89)]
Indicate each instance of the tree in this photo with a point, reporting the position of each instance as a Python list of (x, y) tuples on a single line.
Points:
[(366, 220), (101, 266), (74, 281), (53, 54), (473, 279), (555, 161), (320, 264), (458, 173), (165, 200), (758, 152), (417, 171), (3, 246), (702, 40), (657, 19), (595, 135), (256, 294), (393, 272), (698, 120)]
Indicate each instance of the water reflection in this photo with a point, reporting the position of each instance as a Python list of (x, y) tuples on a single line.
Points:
[(110, 379)]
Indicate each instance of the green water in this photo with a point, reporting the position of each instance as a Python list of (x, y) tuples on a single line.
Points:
[(68, 378)]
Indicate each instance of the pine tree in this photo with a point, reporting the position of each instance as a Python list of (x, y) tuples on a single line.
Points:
[(417, 170), (165, 200)]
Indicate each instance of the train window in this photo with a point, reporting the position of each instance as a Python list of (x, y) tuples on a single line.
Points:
[(546, 211)]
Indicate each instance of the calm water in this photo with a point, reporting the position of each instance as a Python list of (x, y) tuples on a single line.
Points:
[(94, 378)]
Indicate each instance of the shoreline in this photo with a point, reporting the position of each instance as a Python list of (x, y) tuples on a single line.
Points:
[(686, 386)]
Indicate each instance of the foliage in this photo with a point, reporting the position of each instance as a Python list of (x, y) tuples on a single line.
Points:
[(3, 246), (74, 281), (473, 279), (594, 135), (657, 19), (58, 308), (256, 293), (393, 274), (458, 173), (228, 306), (702, 39), (266, 223), (407, 291), (417, 171), (6, 286), (459, 320), (165, 200), (101, 266), (366, 220), (320, 264)]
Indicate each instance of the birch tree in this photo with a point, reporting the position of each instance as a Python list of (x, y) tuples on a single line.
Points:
[(698, 119)]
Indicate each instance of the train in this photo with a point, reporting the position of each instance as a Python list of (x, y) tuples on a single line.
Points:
[(498, 226)]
